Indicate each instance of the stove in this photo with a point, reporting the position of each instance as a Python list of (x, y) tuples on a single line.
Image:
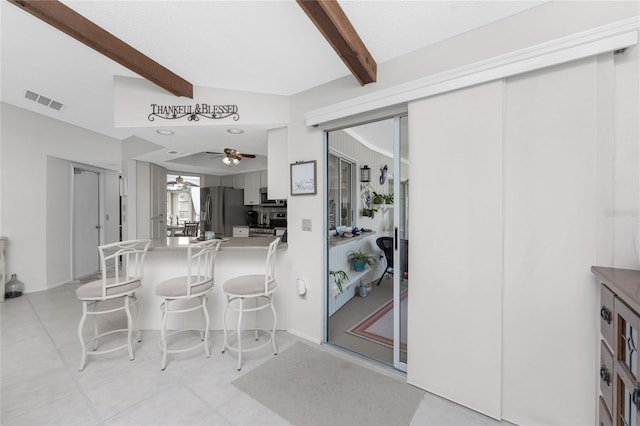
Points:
[(261, 230)]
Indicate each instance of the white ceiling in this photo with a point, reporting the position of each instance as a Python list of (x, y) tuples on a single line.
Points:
[(259, 46)]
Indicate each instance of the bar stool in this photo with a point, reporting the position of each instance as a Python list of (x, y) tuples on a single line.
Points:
[(198, 281), (125, 260), (258, 287)]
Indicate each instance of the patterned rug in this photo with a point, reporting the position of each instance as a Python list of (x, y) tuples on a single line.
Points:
[(378, 326)]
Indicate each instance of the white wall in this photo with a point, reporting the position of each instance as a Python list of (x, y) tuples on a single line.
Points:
[(28, 140), (547, 22)]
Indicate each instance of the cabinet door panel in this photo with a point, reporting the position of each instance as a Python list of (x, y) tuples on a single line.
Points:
[(627, 399), (627, 324), (606, 316), (604, 416), (606, 375)]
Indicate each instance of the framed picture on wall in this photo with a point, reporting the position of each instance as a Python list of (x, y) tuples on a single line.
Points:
[(303, 178)]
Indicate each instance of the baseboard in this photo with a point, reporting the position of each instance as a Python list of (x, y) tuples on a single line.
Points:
[(304, 336)]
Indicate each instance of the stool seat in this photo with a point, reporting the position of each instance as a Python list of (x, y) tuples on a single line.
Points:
[(176, 288), (248, 285), (93, 289)]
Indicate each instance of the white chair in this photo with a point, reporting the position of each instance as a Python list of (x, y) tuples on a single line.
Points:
[(255, 287), (198, 281), (121, 267)]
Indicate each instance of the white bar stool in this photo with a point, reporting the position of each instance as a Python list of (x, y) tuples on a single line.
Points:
[(258, 287), (124, 259), (198, 281)]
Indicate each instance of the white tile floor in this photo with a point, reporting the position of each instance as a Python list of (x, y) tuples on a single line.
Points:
[(41, 384)]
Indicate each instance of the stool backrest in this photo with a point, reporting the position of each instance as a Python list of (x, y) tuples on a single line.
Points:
[(190, 229), (270, 267), (125, 259), (200, 263)]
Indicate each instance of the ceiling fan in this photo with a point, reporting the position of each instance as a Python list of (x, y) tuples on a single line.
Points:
[(231, 156), (180, 182)]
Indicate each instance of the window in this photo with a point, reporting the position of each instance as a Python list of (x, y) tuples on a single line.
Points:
[(183, 201), (340, 191)]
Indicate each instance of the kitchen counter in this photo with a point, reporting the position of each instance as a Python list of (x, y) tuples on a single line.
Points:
[(167, 258), (177, 243)]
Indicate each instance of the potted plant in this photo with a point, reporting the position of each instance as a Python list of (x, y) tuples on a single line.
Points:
[(360, 260), (382, 198), (339, 278)]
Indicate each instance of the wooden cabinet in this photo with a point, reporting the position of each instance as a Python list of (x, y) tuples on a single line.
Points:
[(252, 189), (619, 313)]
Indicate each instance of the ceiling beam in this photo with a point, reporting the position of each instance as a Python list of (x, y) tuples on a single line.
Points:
[(77, 26), (336, 28)]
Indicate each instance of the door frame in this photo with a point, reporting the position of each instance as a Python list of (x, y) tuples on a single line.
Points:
[(391, 114), (72, 216)]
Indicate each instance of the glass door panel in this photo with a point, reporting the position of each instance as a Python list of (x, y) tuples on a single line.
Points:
[(401, 241)]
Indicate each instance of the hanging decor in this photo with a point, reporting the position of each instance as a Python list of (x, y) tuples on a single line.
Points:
[(365, 174), (193, 112), (383, 174)]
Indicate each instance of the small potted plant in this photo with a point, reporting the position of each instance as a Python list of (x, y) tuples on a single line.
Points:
[(339, 278), (382, 198), (361, 260)]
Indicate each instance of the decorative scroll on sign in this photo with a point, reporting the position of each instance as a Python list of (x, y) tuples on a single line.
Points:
[(193, 112)]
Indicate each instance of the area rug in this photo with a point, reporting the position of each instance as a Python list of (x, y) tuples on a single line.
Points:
[(308, 386), (378, 326)]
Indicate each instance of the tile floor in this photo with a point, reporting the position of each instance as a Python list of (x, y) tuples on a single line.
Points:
[(41, 384)]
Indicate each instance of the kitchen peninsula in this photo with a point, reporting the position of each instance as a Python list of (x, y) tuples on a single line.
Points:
[(167, 258)]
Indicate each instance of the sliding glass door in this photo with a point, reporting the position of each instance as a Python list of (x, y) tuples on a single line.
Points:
[(367, 200)]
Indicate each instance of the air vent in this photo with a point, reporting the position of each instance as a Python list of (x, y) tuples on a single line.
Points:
[(43, 100)]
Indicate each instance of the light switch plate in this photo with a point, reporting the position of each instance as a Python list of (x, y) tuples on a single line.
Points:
[(306, 224)]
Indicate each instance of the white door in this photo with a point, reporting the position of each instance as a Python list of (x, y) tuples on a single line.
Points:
[(86, 222)]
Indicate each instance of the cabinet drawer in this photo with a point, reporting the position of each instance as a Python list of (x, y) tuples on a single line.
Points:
[(606, 375), (627, 324), (603, 415), (242, 231), (606, 316)]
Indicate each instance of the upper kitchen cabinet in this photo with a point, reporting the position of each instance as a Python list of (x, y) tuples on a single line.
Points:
[(238, 181), (158, 191), (277, 164), (252, 189), (263, 179)]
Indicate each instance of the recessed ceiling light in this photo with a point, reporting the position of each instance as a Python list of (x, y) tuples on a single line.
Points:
[(235, 131), (164, 132)]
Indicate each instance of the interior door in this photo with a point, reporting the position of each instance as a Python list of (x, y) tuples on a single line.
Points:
[(86, 222), (401, 242)]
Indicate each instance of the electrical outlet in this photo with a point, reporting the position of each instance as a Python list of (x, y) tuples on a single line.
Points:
[(306, 224)]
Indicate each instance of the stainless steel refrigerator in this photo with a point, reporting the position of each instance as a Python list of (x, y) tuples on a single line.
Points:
[(222, 208)]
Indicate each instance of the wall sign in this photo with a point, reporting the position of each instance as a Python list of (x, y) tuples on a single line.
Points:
[(303, 178), (193, 112)]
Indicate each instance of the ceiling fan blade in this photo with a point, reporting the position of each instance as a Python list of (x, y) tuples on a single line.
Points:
[(247, 155), (173, 182)]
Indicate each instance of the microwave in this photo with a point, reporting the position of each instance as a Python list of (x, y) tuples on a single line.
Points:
[(265, 201)]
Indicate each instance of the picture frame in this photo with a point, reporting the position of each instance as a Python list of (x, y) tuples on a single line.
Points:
[(303, 178)]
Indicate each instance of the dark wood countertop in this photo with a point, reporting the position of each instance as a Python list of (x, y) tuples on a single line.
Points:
[(624, 282)]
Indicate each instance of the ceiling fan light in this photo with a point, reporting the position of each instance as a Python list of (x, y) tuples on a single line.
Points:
[(226, 160), (236, 161)]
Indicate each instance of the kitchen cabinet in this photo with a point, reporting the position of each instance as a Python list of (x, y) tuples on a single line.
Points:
[(238, 181), (263, 179), (278, 163), (619, 312), (227, 181), (252, 189), (240, 231)]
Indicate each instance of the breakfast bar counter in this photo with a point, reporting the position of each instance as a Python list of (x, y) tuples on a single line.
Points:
[(167, 258)]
